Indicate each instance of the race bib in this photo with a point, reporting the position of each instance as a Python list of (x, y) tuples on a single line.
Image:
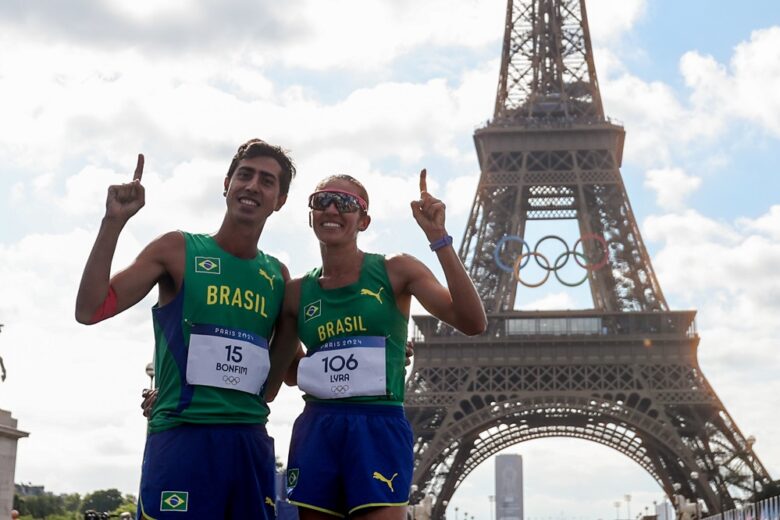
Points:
[(227, 358), (345, 367)]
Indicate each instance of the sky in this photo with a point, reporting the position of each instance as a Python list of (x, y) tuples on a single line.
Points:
[(377, 89)]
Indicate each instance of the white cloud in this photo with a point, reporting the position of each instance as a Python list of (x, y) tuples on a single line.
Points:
[(746, 89), (728, 271), (661, 124), (88, 186), (768, 224), (366, 35), (17, 192), (608, 20), (459, 194), (149, 10), (672, 186), (757, 74), (650, 112)]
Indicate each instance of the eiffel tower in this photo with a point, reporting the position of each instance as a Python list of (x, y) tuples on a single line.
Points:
[(625, 373)]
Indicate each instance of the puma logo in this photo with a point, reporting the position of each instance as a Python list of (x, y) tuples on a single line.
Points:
[(270, 279), (270, 502), (369, 292), (384, 479)]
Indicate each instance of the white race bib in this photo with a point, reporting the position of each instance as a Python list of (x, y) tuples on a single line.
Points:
[(227, 358), (345, 367)]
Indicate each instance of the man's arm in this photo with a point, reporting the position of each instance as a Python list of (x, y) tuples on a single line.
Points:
[(285, 346), (457, 304), (100, 296), (291, 375)]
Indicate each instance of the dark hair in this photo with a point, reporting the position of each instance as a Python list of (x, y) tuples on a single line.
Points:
[(349, 178), (259, 148)]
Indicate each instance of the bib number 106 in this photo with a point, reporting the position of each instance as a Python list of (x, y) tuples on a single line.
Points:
[(338, 363)]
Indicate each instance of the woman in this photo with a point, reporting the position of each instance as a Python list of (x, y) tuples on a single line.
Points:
[(351, 448)]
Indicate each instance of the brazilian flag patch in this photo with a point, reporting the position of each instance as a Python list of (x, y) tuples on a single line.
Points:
[(312, 310), (174, 501), (292, 478), (207, 264)]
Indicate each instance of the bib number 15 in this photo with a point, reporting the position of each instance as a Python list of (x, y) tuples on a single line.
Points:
[(337, 363), (233, 354)]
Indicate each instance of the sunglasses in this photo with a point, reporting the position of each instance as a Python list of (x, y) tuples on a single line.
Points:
[(345, 202)]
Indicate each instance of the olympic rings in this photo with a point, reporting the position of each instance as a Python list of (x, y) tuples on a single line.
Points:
[(339, 389), (232, 380), (567, 254), (501, 265), (580, 258), (605, 255), (555, 265), (518, 267)]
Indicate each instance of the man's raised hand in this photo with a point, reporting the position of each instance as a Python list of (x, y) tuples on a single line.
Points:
[(124, 200), (428, 211)]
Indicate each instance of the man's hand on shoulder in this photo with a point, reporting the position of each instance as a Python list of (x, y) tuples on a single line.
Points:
[(149, 398)]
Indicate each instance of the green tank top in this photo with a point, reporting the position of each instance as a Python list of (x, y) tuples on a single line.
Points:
[(349, 333), (211, 352)]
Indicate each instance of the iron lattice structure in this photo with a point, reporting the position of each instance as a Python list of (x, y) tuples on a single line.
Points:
[(624, 374)]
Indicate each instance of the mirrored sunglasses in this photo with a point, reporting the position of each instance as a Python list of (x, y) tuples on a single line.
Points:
[(345, 202)]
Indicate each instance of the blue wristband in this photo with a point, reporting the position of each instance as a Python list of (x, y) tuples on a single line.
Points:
[(442, 242)]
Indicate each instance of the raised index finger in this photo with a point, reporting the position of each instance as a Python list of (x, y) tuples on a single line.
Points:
[(139, 168), (423, 182)]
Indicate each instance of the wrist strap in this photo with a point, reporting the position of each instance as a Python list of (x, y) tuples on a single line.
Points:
[(444, 241)]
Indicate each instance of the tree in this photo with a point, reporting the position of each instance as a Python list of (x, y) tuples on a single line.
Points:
[(129, 505), (102, 500), (40, 506), (71, 501)]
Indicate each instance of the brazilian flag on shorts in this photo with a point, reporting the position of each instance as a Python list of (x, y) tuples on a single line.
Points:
[(174, 501)]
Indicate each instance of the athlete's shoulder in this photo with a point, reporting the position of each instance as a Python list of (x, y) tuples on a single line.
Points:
[(400, 262), (199, 240), (403, 270), (272, 262), (173, 238), (268, 257), (167, 245), (161, 261)]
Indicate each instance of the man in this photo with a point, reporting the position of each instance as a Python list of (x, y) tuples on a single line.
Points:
[(218, 299)]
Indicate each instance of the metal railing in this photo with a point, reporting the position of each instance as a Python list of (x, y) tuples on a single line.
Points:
[(767, 509), (567, 323)]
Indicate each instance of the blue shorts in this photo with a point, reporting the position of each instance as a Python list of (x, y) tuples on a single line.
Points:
[(347, 457), (208, 471)]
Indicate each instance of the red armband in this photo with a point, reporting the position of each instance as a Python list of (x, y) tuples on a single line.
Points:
[(107, 308)]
